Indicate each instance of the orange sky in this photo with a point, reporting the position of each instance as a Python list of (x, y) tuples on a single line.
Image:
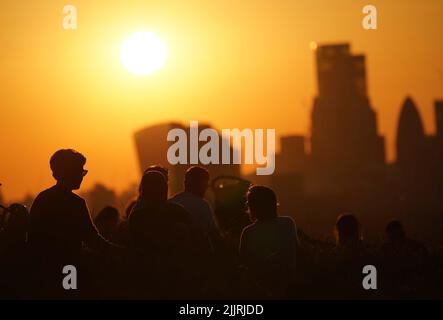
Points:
[(231, 63)]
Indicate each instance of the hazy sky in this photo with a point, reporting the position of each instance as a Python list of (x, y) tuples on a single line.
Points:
[(231, 63)]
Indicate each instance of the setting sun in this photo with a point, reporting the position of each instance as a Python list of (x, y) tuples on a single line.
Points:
[(143, 53)]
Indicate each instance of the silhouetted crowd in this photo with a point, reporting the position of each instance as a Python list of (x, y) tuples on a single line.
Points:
[(175, 248)]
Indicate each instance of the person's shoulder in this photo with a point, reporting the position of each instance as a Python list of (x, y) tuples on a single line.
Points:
[(136, 214), (286, 220), (77, 201), (47, 192), (249, 228), (175, 198), (45, 195), (206, 203), (78, 198), (55, 191), (186, 198), (287, 224), (174, 205), (177, 209)]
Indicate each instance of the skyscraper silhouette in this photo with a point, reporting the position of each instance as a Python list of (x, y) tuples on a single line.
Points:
[(347, 152), (419, 156), (411, 140), (152, 148)]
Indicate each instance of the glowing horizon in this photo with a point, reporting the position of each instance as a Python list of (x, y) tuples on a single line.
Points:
[(226, 60)]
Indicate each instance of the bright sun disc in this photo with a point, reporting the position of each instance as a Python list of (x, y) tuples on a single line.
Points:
[(143, 53)]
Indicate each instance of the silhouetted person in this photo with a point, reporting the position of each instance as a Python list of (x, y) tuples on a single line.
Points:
[(152, 199), (160, 233), (405, 263), (15, 226), (14, 252), (153, 168), (268, 246), (60, 219), (107, 221), (177, 211), (349, 258), (60, 223), (193, 200), (348, 233), (205, 232)]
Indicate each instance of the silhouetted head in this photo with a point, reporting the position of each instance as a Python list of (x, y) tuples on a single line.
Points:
[(262, 202), (197, 180), (67, 168), (395, 231), (107, 221), (107, 215), (157, 168), (162, 170), (153, 188), (347, 230)]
